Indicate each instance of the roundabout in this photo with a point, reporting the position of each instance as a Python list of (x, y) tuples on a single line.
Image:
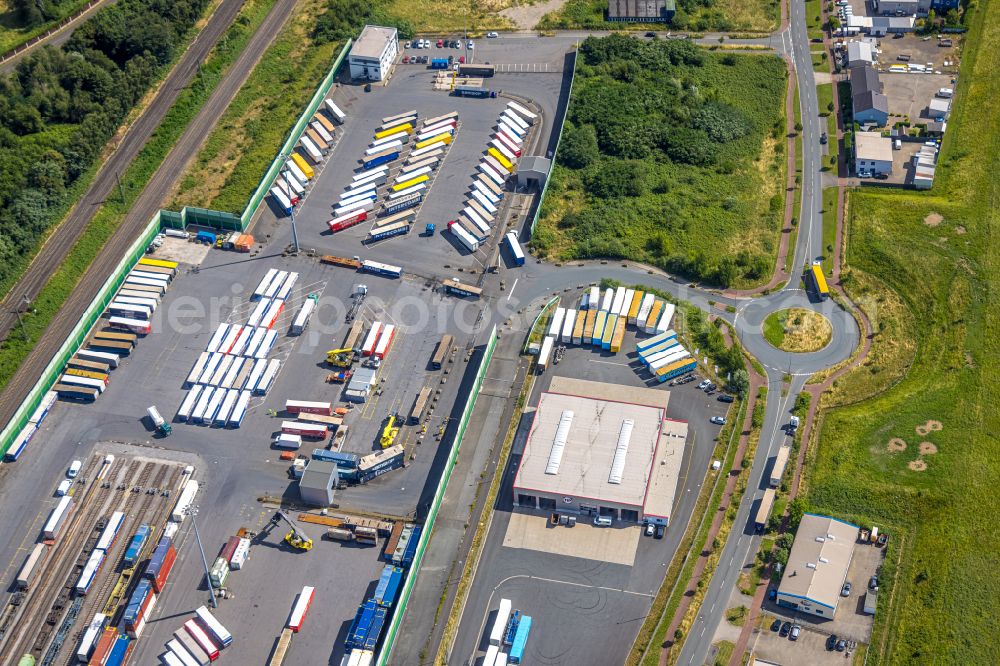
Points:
[(797, 330)]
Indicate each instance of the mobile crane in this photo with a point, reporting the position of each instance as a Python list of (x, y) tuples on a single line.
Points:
[(295, 537), (389, 433), (342, 358)]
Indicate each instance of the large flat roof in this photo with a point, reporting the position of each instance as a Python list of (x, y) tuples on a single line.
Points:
[(872, 146), (817, 566), (655, 445), (372, 41)]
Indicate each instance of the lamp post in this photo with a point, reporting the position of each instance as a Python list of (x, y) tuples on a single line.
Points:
[(193, 512), (17, 311)]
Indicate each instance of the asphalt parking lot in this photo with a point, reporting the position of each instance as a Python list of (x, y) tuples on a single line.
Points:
[(909, 94), (411, 87), (585, 611)]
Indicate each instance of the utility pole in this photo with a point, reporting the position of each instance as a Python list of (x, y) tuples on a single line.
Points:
[(17, 311), (193, 512), (121, 190)]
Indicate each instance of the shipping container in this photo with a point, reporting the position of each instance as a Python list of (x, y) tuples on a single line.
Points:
[(117, 336), (385, 339), (435, 153), (201, 638), (402, 204), (301, 608), (223, 367), (189, 402), (32, 565), (200, 407), (511, 132), (322, 120), (588, 327), (86, 382), (516, 653), (90, 636), (654, 316), (512, 146), (519, 110), (389, 139), (380, 462), (402, 128), (240, 554), (384, 149), (311, 149), (139, 272), (309, 430), (258, 371), (600, 324), (464, 237), (388, 231), (419, 405), (428, 162), (308, 407), (156, 286), (281, 200), (668, 314), (619, 302), (18, 446), (556, 322), (334, 111), (110, 531), (490, 185), (410, 183), (160, 564), (436, 148), (184, 502), (642, 316), (191, 646), (365, 176), (474, 224), (514, 120), (498, 147), (91, 374), (297, 171), (302, 318), (483, 201), (578, 327), (348, 220), (632, 313), (142, 301), (644, 346), (490, 195), (378, 268), (181, 654), (380, 157), (569, 321), (281, 649), (236, 367), (268, 376), (409, 191), (618, 336), (443, 137), (137, 326), (500, 159), (317, 139), (99, 356), (545, 353), (438, 128), (491, 172), (358, 204), (676, 353), (389, 584), (89, 573), (500, 622)]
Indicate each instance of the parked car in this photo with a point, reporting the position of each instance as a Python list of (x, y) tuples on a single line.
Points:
[(793, 635), (74, 469), (461, 59), (873, 583), (406, 45), (440, 43), (703, 385), (470, 45), (823, 139), (492, 35), (785, 628), (659, 531), (726, 398), (881, 176), (711, 387), (651, 34), (831, 642), (776, 625), (841, 645), (650, 529), (846, 590), (406, 59), (772, 594), (718, 420), (63, 488)]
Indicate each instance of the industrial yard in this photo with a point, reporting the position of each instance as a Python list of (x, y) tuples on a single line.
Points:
[(235, 365)]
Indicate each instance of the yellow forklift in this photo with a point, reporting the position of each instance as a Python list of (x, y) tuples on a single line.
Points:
[(295, 537), (341, 358), (390, 432)]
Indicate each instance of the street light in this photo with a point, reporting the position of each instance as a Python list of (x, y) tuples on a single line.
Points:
[(17, 311), (192, 511)]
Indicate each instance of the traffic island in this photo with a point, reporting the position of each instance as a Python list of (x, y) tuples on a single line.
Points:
[(797, 330)]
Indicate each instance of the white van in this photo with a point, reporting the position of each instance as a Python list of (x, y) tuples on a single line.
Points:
[(602, 521), (63, 488), (287, 441), (74, 469), (946, 93)]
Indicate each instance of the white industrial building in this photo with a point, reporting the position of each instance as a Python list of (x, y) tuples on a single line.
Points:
[(602, 450), (373, 53), (872, 153), (817, 565), (859, 52)]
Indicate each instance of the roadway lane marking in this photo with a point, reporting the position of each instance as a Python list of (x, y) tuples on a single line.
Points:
[(514, 286)]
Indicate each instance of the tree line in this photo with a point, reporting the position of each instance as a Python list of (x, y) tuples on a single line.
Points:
[(61, 105)]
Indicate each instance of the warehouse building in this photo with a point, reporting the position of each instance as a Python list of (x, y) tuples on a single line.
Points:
[(872, 154), (870, 106), (641, 11), (317, 482), (373, 53), (602, 450), (817, 566)]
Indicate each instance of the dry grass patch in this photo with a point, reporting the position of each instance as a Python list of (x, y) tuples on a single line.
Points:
[(798, 330), (933, 219)]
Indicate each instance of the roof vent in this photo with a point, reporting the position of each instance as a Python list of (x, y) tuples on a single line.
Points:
[(621, 452), (559, 442)]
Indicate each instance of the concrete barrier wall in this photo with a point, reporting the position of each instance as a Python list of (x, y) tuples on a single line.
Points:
[(428, 528), (555, 154)]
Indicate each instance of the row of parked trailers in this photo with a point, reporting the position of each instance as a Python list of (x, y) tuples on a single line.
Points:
[(127, 316), (374, 613), (317, 140), (603, 320), (475, 222), (508, 636), (198, 642), (20, 443)]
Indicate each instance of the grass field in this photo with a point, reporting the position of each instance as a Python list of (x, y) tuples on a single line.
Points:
[(440, 16), (12, 34), (247, 137), (829, 229), (685, 176), (941, 505), (113, 211), (723, 15), (797, 330)]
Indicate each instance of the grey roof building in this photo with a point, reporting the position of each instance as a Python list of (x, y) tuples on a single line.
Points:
[(641, 11), (317, 482), (869, 104), (534, 169)]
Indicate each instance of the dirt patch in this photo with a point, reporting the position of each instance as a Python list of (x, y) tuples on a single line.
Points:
[(896, 445), (933, 219), (526, 16), (959, 230), (935, 426), (917, 465), (927, 448)]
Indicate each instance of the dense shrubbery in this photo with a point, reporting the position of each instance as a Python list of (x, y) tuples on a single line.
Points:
[(30, 13), (344, 19), (697, 15), (659, 147), (60, 106)]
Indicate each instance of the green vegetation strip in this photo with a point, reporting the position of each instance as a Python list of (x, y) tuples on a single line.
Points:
[(23, 20), (696, 15), (112, 212), (653, 633), (936, 252), (829, 228), (647, 169), (237, 152)]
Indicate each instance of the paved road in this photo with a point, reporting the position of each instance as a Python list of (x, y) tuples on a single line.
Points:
[(147, 203), (56, 38)]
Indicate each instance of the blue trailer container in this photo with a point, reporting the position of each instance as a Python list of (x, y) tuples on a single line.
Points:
[(381, 269), (375, 630), (135, 603), (206, 237), (515, 248), (411, 547), (342, 459), (134, 552), (515, 619), (157, 558), (439, 63), (655, 340), (647, 354), (376, 160), (398, 229), (404, 203), (520, 640), (388, 586), (357, 636), (119, 651)]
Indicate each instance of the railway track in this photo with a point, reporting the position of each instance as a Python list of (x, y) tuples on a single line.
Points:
[(63, 558), (140, 507), (43, 622)]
